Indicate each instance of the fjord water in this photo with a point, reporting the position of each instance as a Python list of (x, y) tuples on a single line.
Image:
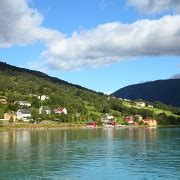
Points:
[(103, 153)]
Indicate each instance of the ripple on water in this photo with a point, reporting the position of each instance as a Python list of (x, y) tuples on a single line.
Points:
[(87, 154)]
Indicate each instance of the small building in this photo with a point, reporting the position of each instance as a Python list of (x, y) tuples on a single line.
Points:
[(129, 119), (150, 122), (138, 117), (23, 103), (23, 114), (60, 110), (3, 101), (43, 97), (9, 115), (44, 110), (91, 124), (150, 106), (127, 100), (107, 118), (140, 103)]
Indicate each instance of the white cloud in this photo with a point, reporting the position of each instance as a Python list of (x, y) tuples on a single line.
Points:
[(103, 45), (22, 25), (115, 41), (155, 6)]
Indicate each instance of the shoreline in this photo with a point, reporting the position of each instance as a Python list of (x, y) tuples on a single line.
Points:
[(39, 126), (26, 126)]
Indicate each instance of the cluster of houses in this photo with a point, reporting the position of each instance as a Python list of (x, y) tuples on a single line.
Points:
[(142, 104), (109, 121), (134, 120), (24, 112)]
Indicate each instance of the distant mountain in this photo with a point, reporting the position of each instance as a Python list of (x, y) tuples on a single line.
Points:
[(176, 76), (166, 91)]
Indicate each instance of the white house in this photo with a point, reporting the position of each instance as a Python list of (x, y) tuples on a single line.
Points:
[(140, 103), (44, 110), (23, 114), (150, 106), (127, 100), (23, 103), (60, 110), (43, 97), (107, 118)]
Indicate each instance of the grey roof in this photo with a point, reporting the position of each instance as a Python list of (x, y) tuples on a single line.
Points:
[(24, 102), (25, 111)]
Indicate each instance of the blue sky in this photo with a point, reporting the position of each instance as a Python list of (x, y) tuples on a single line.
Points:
[(99, 44)]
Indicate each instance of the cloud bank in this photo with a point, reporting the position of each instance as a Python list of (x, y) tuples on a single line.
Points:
[(103, 45), (115, 41), (22, 25), (155, 6)]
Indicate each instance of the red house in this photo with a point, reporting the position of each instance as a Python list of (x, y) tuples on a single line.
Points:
[(129, 119), (60, 110), (91, 124)]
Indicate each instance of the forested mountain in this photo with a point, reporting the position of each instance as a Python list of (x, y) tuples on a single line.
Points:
[(13, 71), (19, 84), (166, 91), (22, 84)]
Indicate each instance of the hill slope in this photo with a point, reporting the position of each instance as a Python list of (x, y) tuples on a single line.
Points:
[(17, 84), (166, 91), (23, 84), (13, 70)]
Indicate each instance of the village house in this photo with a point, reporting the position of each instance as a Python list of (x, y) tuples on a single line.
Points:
[(23, 103), (9, 115), (23, 114), (44, 110), (60, 110), (138, 117), (150, 122), (108, 118), (140, 103), (3, 101), (43, 97), (91, 124), (150, 106), (127, 100), (129, 119)]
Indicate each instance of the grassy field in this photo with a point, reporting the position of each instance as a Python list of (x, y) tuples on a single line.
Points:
[(53, 125), (155, 110)]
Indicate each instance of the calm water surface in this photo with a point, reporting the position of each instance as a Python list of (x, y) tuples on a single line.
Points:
[(90, 154)]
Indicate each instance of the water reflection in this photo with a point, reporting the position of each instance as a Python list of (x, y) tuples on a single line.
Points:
[(71, 153)]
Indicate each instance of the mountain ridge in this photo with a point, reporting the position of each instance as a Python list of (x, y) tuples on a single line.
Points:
[(5, 67), (166, 91)]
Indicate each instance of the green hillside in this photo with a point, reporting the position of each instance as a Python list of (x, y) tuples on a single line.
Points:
[(19, 84)]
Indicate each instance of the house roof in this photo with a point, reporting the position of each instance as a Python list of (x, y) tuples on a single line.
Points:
[(3, 99), (25, 102), (59, 109), (25, 111)]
